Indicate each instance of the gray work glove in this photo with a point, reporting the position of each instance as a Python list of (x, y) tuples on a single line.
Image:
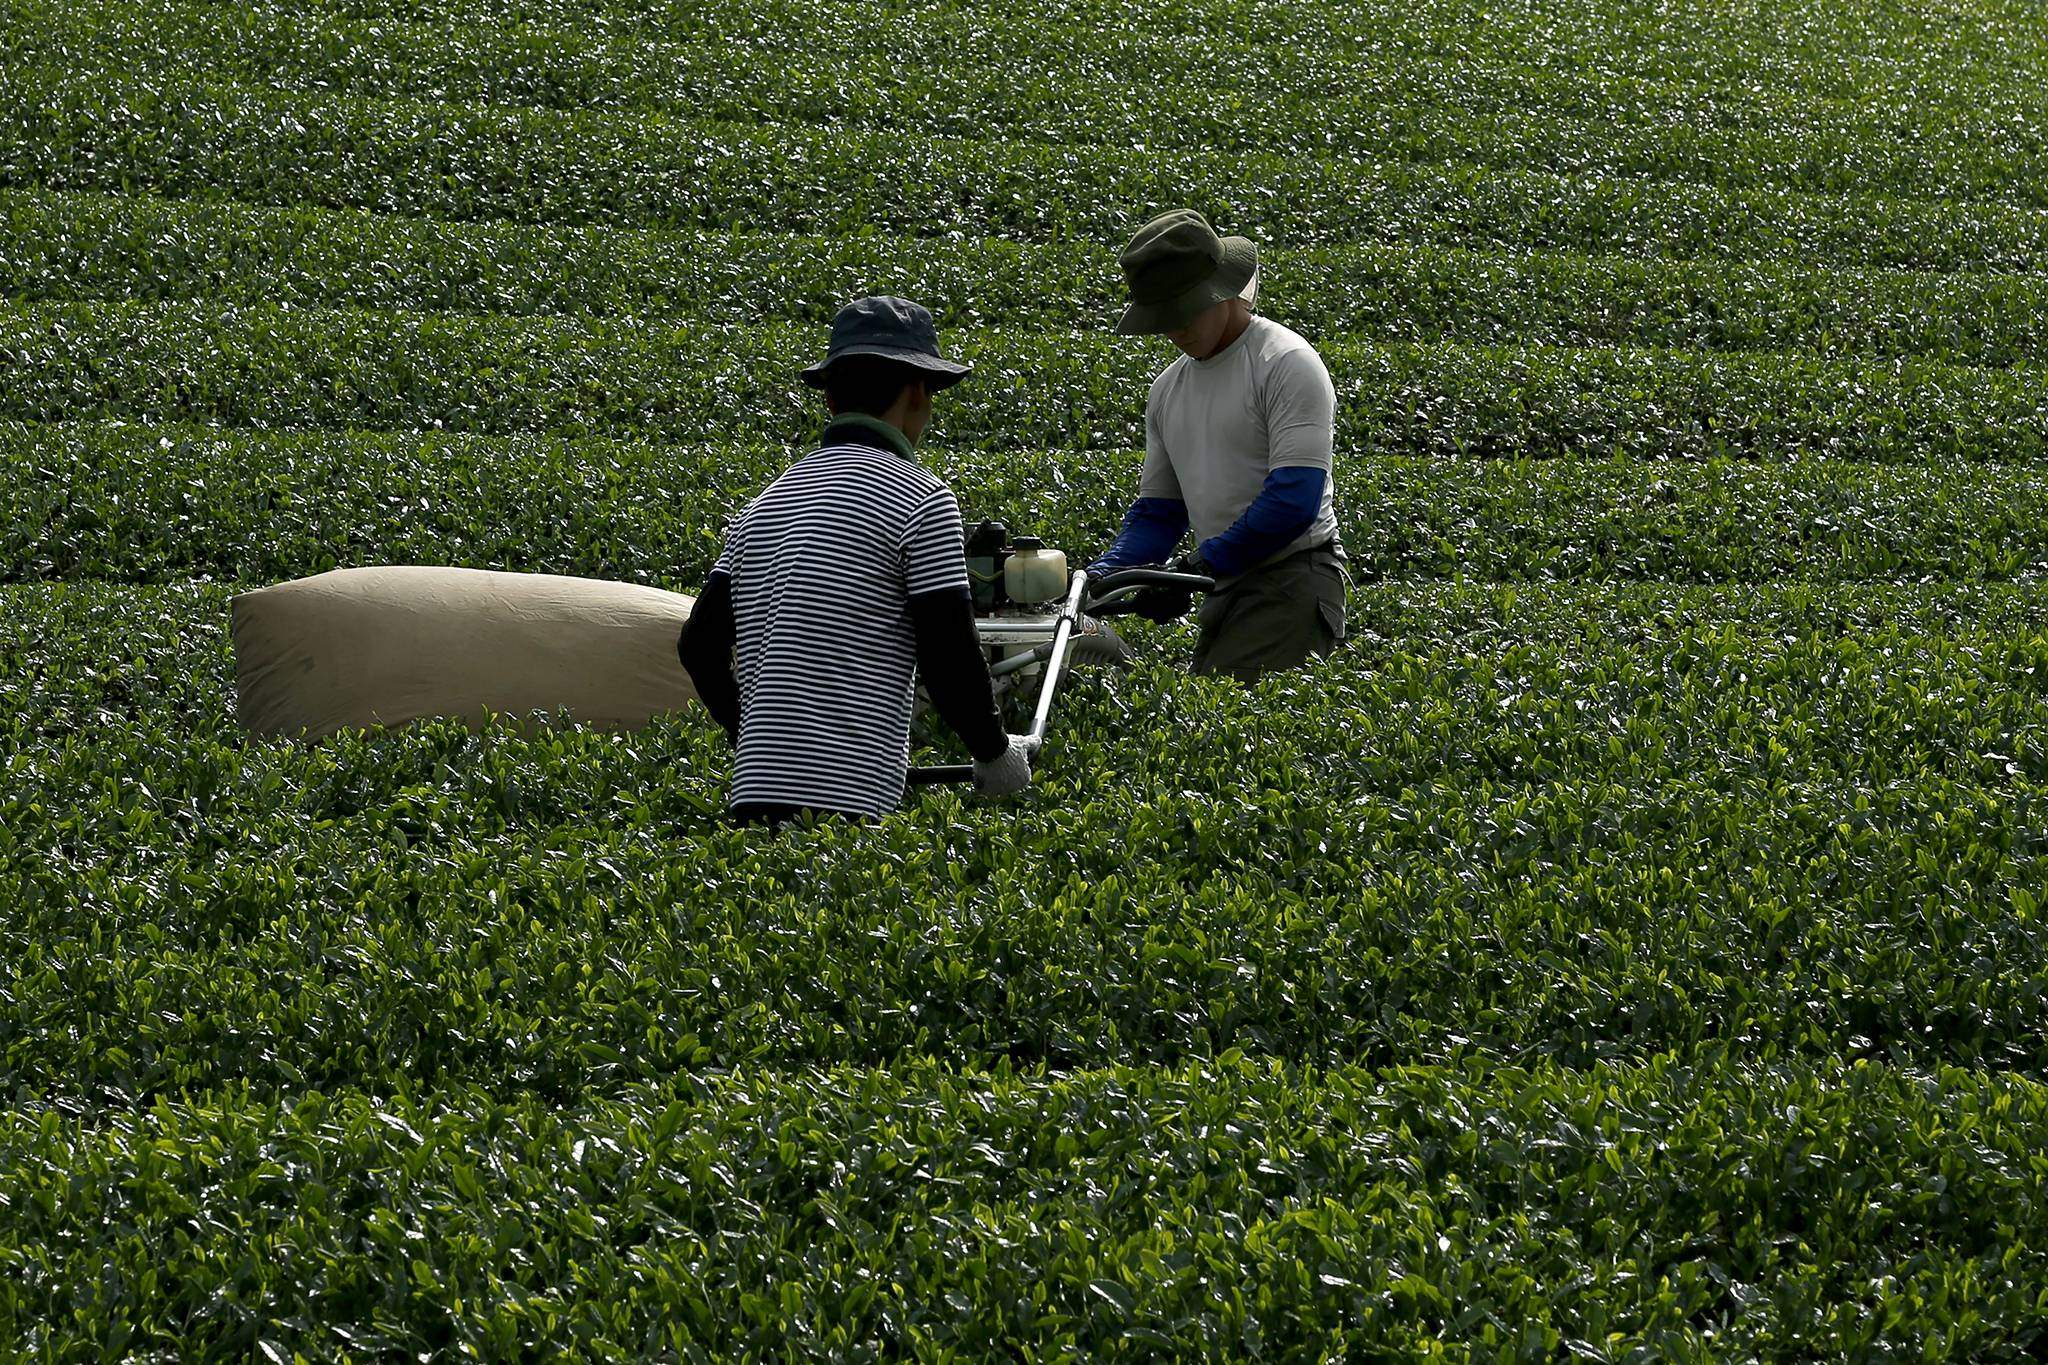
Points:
[(1007, 773)]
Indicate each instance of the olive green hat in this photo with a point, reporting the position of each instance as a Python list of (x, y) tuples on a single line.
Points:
[(1177, 266)]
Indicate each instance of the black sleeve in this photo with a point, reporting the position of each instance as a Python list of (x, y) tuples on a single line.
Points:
[(954, 671), (705, 648)]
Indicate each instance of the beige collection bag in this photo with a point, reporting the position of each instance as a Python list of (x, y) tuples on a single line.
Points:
[(383, 646)]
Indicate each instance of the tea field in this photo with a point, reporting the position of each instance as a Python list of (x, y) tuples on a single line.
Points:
[(1633, 945)]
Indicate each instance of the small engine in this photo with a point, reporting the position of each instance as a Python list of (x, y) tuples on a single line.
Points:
[(1008, 575)]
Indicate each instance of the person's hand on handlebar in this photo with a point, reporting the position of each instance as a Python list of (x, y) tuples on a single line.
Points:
[(1007, 773), (1170, 601)]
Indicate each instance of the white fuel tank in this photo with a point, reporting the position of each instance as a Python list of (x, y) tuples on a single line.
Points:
[(1033, 573)]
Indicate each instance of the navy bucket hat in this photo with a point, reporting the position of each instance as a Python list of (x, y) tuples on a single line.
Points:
[(893, 329)]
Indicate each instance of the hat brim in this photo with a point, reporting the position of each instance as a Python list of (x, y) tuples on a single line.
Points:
[(939, 373), (1240, 263)]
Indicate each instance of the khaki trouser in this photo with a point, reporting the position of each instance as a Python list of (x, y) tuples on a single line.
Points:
[(1273, 618)]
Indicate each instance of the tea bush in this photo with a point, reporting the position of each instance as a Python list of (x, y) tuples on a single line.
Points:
[(162, 504), (980, 84), (1628, 946), (278, 366), (87, 247), (187, 136), (1230, 1208)]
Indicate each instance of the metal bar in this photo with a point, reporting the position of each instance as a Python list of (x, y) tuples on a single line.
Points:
[(1124, 580), (1118, 587), (1054, 651), (1035, 654), (1056, 664)]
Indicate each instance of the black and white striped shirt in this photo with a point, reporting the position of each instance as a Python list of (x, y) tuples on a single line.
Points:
[(822, 567)]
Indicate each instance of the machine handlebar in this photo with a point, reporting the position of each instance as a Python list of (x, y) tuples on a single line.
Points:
[(1104, 596), (1111, 594)]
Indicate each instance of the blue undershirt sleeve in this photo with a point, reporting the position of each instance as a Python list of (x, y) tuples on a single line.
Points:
[(1152, 528), (1284, 508)]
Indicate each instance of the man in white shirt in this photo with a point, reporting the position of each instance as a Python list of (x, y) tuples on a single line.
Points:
[(1238, 447)]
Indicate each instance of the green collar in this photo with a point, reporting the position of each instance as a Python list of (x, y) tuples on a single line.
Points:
[(855, 425)]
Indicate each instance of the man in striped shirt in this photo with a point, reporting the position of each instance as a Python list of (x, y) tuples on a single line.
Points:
[(838, 585)]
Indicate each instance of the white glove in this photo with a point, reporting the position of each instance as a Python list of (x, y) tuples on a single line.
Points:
[(1007, 773)]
